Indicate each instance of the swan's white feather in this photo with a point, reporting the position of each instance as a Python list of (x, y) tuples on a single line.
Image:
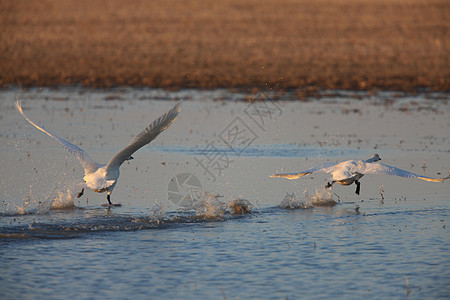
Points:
[(348, 169), (103, 178), (145, 137), (382, 169), (86, 161), (296, 175)]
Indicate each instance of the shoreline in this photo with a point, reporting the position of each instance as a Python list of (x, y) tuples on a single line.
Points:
[(237, 94)]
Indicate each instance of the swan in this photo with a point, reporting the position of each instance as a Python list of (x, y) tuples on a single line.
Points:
[(103, 177), (350, 171)]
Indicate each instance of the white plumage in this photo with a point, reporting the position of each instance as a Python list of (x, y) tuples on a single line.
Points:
[(103, 178), (350, 171)]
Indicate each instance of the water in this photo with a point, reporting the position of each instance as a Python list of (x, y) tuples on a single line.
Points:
[(274, 253), (298, 239)]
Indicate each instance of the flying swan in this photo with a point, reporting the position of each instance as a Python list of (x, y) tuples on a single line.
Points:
[(347, 172), (103, 178)]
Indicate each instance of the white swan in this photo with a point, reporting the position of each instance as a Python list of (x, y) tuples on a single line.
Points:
[(350, 171), (103, 178)]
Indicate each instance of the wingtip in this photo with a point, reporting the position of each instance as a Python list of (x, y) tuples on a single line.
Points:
[(289, 176), (19, 106), (434, 179), (278, 176), (177, 107)]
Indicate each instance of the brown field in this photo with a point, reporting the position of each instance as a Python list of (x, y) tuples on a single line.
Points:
[(347, 44)]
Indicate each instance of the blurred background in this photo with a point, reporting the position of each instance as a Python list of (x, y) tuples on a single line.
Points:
[(332, 44)]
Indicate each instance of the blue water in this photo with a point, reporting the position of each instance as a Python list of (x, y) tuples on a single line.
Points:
[(324, 252), (390, 242), (274, 151)]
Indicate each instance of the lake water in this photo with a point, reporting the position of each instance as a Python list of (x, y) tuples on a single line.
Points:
[(177, 234)]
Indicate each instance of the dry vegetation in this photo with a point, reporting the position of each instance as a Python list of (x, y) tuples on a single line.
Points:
[(349, 44)]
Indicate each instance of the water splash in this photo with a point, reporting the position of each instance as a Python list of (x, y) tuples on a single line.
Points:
[(322, 197), (63, 201), (60, 199), (158, 215), (240, 207), (54, 217), (210, 207), (291, 202)]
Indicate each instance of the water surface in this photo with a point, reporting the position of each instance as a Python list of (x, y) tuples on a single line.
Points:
[(392, 241)]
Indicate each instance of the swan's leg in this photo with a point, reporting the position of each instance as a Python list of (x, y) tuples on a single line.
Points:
[(108, 197), (80, 193), (329, 185), (357, 187)]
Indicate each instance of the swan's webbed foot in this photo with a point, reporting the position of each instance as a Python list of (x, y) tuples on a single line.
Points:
[(110, 204), (357, 187), (80, 193)]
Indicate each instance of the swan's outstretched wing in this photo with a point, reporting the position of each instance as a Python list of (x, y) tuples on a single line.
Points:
[(145, 137), (88, 163), (324, 168), (382, 169)]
